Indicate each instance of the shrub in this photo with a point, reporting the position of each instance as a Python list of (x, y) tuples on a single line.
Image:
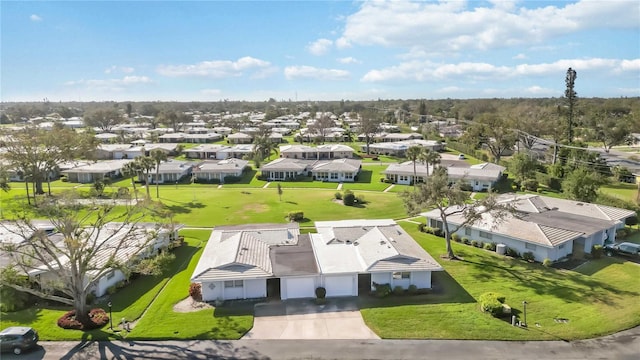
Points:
[(547, 262), (455, 237), (195, 291), (412, 289), (321, 292), (338, 195), (120, 284), (112, 289), (466, 241), (530, 185), (349, 198), (398, 290), (360, 200), (296, 215), (632, 220), (13, 300), (622, 233), (97, 318), (230, 179), (528, 256), (474, 243), (480, 244), (382, 290), (438, 232), (487, 246), (421, 227), (597, 251), (492, 303), (512, 252)]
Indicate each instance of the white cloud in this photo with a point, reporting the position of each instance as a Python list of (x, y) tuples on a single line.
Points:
[(310, 72), (540, 91), (216, 68), (320, 47), (456, 25), (450, 89), (121, 69), (520, 56), (35, 18), (477, 71), (349, 60), (110, 84)]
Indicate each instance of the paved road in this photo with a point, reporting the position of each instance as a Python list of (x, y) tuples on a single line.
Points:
[(624, 345)]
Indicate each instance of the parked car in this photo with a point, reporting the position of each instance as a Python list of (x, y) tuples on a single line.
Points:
[(17, 339), (625, 249), (461, 157)]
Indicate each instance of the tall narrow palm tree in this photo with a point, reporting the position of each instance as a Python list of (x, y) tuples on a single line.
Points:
[(413, 153), (130, 170), (146, 163), (158, 156), (429, 157)]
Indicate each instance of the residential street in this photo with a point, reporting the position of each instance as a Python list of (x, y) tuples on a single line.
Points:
[(624, 345)]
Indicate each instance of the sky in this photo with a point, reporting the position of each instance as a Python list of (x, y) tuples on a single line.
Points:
[(316, 50)]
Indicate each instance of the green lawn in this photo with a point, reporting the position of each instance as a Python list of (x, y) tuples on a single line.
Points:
[(624, 191), (598, 298), (161, 322)]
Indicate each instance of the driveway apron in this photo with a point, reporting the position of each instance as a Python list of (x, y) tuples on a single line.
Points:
[(303, 319)]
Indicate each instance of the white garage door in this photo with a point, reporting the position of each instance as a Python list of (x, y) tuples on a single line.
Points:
[(339, 285), (299, 288)]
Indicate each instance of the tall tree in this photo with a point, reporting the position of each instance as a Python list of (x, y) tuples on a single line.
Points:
[(321, 127), (609, 128), (523, 166), (582, 184), (146, 164), (35, 153), (570, 97), (413, 153), (450, 201), (158, 157), (369, 127), (5, 186), (429, 157), (131, 170), (279, 192), (104, 119), (88, 243), (493, 131)]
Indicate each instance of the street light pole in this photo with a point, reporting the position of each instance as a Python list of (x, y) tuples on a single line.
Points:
[(524, 305), (110, 316)]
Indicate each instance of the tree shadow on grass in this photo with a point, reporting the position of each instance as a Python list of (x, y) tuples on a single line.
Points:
[(26, 316), (364, 177)]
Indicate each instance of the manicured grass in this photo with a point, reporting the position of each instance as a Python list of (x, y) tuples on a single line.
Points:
[(214, 207), (161, 322), (624, 191), (304, 183), (598, 298)]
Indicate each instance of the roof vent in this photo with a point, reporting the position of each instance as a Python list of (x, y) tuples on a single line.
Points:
[(579, 204), (245, 248), (356, 243), (348, 242), (382, 242)]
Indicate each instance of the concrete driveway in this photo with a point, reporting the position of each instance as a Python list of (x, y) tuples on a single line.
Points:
[(303, 319)]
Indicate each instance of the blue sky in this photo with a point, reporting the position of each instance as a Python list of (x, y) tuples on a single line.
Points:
[(316, 50)]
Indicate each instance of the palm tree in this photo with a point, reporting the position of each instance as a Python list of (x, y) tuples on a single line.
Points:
[(158, 156), (414, 153), (429, 157), (130, 170), (146, 163)]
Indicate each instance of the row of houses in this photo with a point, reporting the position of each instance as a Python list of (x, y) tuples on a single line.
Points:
[(345, 257)]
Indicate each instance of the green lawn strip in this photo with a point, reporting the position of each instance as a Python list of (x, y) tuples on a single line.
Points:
[(624, 191), (236, 206), (161, 322), (598, 299)]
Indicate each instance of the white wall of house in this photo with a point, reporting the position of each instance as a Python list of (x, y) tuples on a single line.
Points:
[(421, 279), (212, 290), (334, 176), (255, 288), (109, 279), (234, 289)]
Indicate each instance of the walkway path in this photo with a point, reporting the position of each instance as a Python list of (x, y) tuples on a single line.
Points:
[(339, 186), (266, 185), (389, 188)]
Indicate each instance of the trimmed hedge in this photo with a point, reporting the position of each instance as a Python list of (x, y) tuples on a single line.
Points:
[(491, 302)]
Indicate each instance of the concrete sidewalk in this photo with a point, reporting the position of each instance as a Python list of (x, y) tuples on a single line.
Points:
[(303, 319)]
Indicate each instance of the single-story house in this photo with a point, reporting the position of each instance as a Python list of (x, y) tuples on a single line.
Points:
[(118, 151), (195, 138), (207, 151), (395, 137), (327, 151), (400, 147), (106, 138), (345, 257), (96, 171), (170, 171), (219, 169), (285, 169), (337, 170), (240, 138), (550, 228), (238, 151), (123, 242), (480, 177)]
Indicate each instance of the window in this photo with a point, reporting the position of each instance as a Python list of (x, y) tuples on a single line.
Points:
[(485, 235), (529, 246), (401, 275), (233, 284), (561, 246), (110, 275), (467, 231)]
